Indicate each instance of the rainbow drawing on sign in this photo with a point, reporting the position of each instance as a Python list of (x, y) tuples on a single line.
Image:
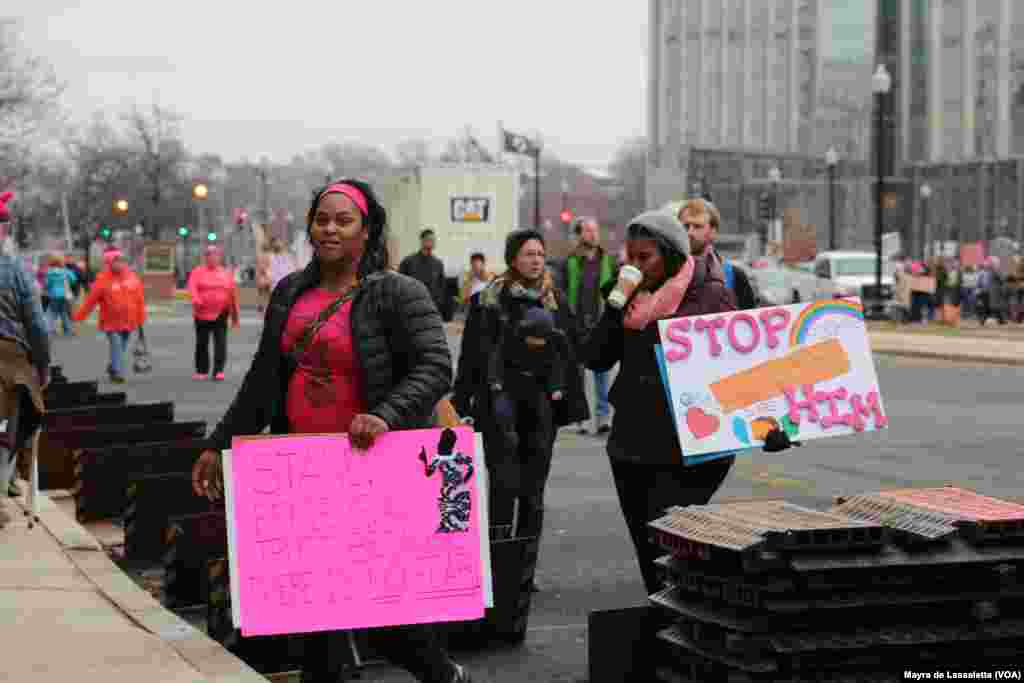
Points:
[(815, 312)]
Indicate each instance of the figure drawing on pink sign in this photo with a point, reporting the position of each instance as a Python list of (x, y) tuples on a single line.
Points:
[(454, 505)]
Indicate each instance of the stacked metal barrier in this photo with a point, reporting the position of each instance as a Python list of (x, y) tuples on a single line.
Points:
[(771, 591)]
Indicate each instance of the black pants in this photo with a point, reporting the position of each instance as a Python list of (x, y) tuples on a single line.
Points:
[(518, 466), (645, 491), (414, 648), (219, 329), (986, 310)]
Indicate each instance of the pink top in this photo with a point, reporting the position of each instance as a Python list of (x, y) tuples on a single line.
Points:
[(212, 291), (325, 393)]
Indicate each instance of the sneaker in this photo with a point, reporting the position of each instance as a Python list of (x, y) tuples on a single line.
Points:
[(219, 377), (198, 377)]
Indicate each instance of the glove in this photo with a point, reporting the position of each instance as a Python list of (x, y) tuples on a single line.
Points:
[(504, 409), (778, 440)]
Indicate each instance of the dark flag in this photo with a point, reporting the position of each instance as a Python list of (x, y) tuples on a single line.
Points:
[(519, 144)]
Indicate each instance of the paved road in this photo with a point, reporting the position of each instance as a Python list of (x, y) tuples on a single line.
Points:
[(949, 424)]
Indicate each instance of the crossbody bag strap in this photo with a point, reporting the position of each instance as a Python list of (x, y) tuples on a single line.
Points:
[(314, 326)]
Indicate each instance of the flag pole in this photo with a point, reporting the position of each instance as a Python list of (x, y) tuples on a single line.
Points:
[(536, 189)]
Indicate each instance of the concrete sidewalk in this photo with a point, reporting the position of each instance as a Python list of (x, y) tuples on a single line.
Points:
[(68, 613), (961, 348)]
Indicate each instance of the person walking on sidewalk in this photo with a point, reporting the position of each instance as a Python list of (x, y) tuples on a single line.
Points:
[(282, 263), (60, 282), (991, 293), (587, 271), (428, 269), (122, 300), (519, 379), (348, 346), (214, 300), (476, 279), (24, 364)]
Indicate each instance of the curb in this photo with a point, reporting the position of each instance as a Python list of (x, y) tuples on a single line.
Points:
[(951, 357), (208, 657)]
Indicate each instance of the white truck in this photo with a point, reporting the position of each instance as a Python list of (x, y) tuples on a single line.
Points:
[(470, 207)]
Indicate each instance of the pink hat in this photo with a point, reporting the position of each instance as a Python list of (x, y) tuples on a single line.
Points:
[(5, 213), (111, 255)]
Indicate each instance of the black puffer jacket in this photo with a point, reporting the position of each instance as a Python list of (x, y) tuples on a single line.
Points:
[(400, 345)]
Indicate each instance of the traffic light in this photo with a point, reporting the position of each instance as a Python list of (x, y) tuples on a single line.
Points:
[(764, 206), (566, 216), (211, 236), (105, 232), (183, 231)]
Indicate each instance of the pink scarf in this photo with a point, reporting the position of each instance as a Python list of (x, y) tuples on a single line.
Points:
[(647, 307)]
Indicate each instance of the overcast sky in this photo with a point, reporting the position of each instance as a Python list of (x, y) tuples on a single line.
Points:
[(278, 79)]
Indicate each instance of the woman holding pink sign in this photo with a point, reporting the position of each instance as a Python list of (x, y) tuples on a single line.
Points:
[(348, 346)]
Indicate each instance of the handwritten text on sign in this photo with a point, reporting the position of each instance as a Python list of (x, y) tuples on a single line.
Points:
[(804, 369), (326, 538)]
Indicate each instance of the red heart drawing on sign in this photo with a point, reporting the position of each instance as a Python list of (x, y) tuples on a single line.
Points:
[(701, 424)]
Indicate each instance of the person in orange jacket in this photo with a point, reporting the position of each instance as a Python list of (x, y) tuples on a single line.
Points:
[(122, 301), (214, 298)]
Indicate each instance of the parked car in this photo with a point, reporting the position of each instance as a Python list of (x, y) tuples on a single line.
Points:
[(781, 285), (850, 271)]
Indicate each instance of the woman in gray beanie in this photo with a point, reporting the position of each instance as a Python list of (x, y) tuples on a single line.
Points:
[(646, 460)]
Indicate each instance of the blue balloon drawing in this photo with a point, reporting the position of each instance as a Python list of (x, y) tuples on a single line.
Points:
[(740, 429)]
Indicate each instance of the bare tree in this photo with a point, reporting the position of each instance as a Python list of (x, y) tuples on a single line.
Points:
[(28, 98), (28, 86), (629, 168), (162, 151), (414, 152)]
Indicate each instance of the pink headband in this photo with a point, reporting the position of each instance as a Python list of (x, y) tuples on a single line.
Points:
[(350, 191)]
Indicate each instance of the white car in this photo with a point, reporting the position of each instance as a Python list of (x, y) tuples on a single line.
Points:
[(849, 271), (782, 285)]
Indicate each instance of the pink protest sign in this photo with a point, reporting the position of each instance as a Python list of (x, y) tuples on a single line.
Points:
[(323, 537)]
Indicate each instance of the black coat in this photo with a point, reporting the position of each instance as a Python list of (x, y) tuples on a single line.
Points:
[(642, 429), (480, 364), (400, 345)]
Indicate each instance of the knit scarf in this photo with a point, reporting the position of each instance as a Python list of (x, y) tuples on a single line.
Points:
[(512, 282), (646, 307)]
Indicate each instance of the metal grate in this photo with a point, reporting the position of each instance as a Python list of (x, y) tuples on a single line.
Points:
[(677, 637), (897, 634), (917, 523), (977, 517), (961, 503), (759, 530)]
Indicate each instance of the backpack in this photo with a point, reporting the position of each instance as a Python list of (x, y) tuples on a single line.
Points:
[(729, 273)]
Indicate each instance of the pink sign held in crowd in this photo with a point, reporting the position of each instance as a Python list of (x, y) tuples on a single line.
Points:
[(322, 537)]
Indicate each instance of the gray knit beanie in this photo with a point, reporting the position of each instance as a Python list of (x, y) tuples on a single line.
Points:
[(663, 227)]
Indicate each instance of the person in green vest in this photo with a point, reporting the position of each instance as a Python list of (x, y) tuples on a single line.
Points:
[(588, 270)]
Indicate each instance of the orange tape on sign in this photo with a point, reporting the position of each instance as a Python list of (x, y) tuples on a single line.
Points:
[(810, 364)]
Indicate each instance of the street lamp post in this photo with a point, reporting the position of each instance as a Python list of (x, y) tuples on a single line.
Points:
[(199, 192), (774, 174), (832, 161), (880, 84), (926, 232)]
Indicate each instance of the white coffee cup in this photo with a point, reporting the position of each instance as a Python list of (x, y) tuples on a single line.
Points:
[(629, 279)]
